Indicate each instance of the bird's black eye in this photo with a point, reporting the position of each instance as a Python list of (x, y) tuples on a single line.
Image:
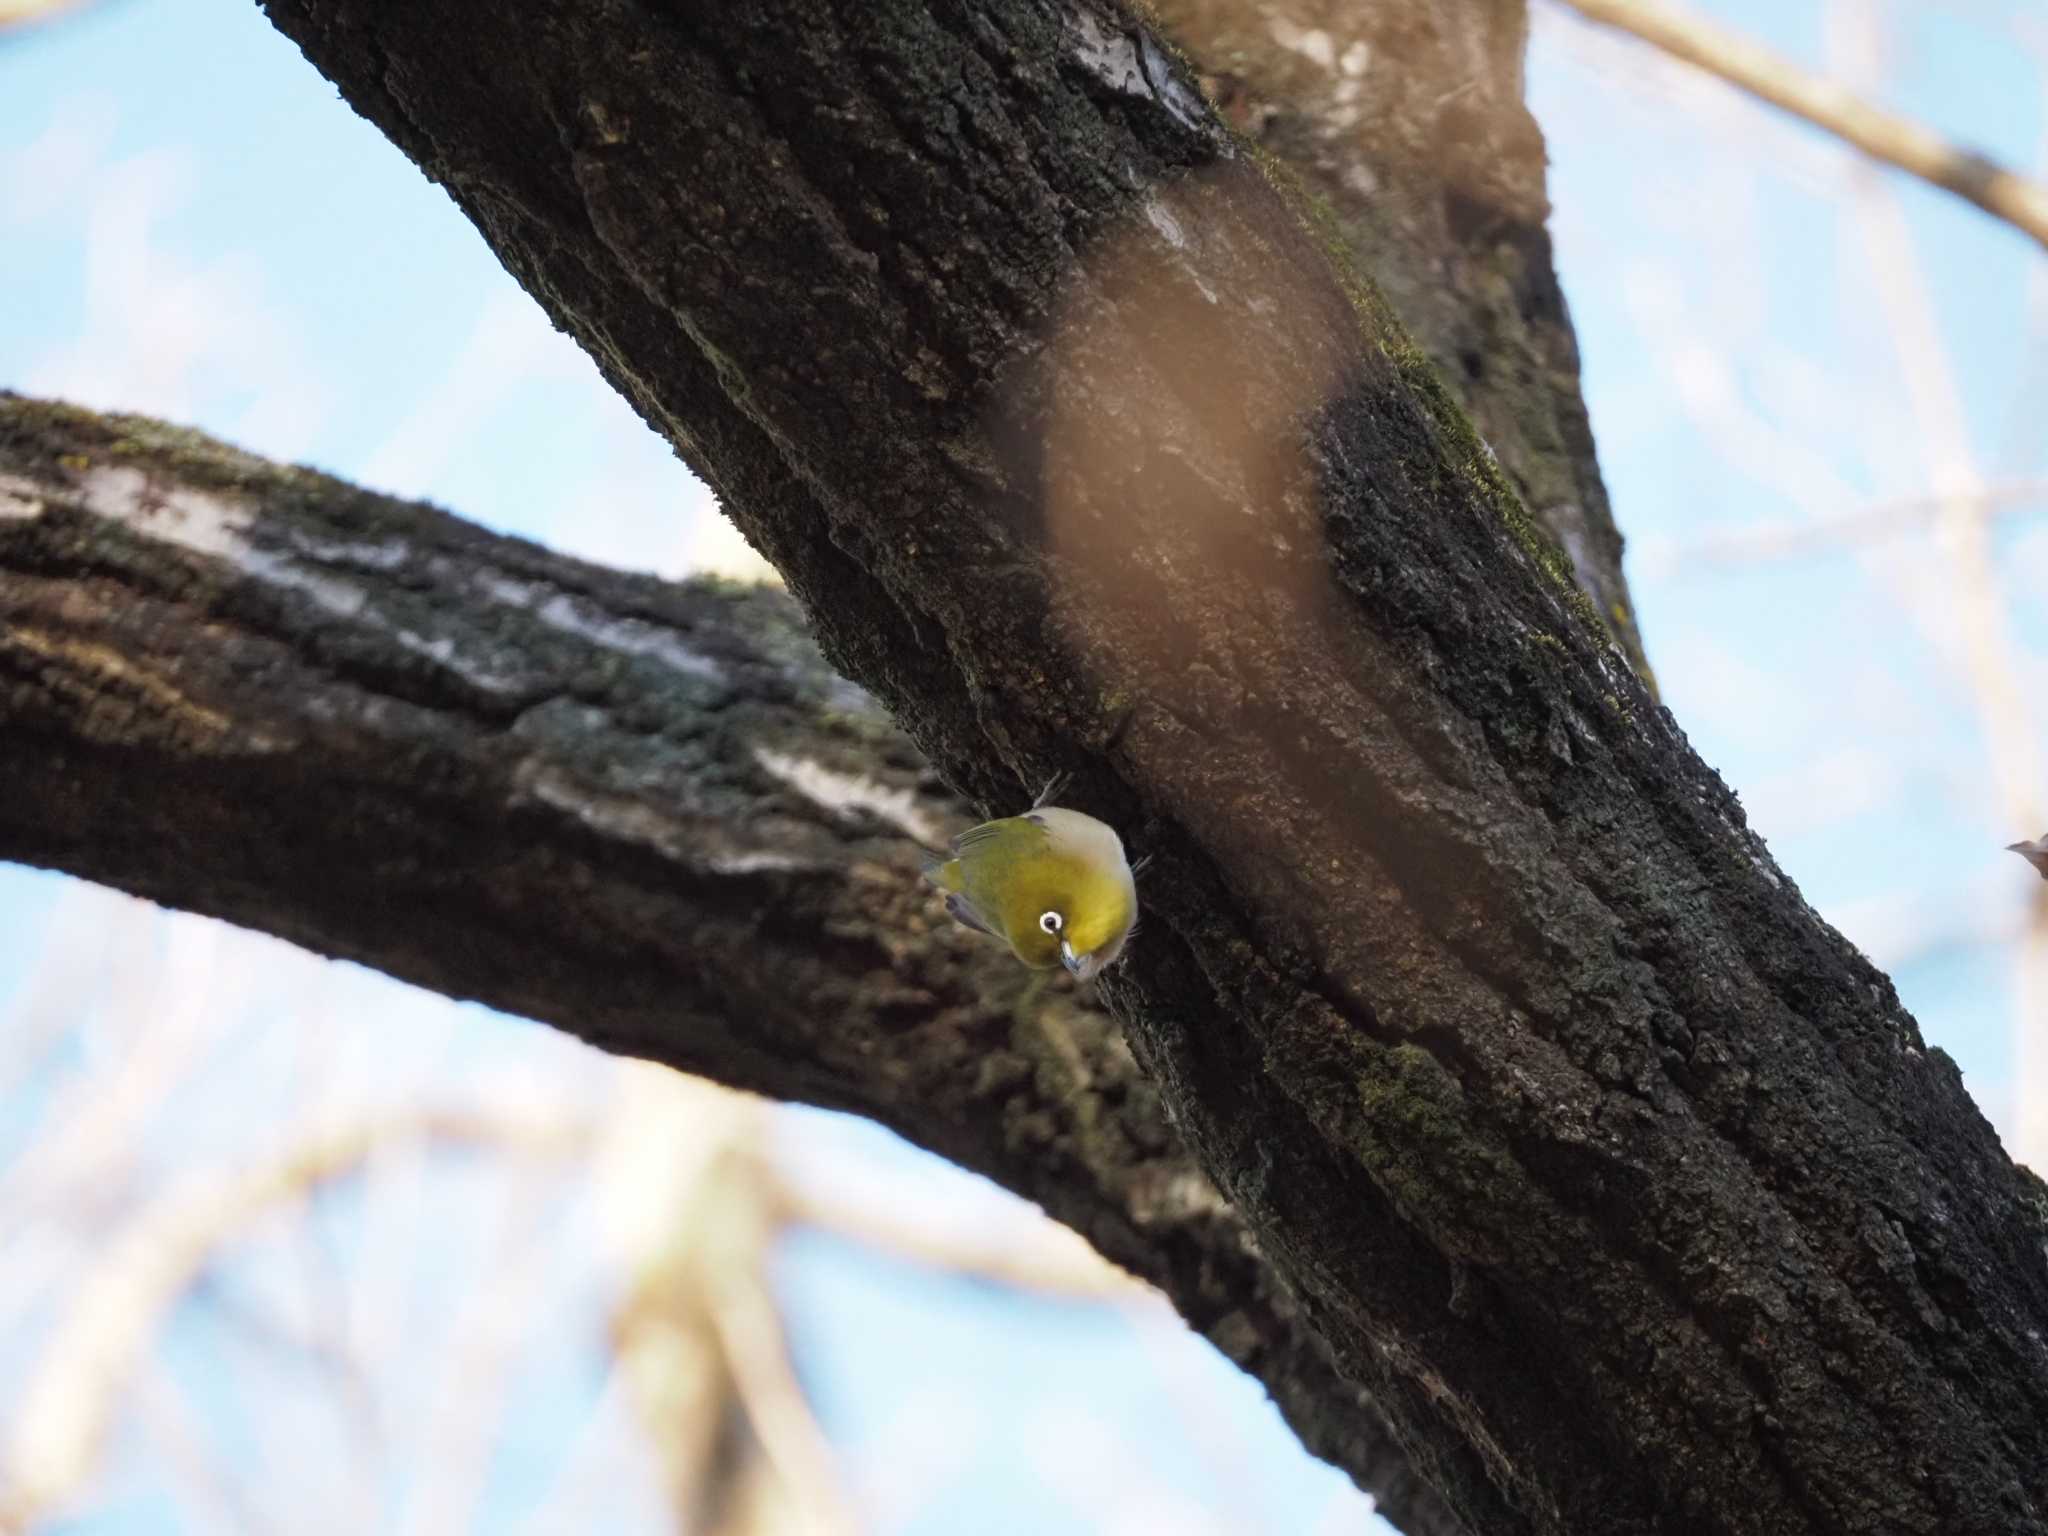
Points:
[(1051, 922)]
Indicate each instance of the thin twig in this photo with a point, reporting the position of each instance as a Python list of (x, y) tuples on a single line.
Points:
[(27, 13), (209, 1484), (1932, 593), (1976, 178), (63, 1414), (1832, 533), (1048, 1261), (1989, 656), (756, 1350), (473, 1386)]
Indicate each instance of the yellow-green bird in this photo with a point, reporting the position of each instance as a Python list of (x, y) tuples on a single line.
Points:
[(1053, 884)]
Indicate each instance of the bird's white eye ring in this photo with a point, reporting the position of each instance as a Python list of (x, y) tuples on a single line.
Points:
[(1051, 922)]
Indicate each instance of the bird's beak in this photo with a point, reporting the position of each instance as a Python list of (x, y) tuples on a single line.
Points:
[(1068, 958)]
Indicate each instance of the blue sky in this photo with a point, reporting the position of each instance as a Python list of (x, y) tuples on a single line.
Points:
[(198, 229), (1743, 371)]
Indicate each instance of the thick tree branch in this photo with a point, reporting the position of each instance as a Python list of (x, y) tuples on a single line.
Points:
[(1623, 1180), (1896, 141), (1405, 119), (646, 813)]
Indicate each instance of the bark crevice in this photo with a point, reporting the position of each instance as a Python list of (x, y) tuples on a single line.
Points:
[(1431, 862)]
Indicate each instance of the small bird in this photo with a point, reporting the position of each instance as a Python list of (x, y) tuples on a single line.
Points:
[(1052, 883)]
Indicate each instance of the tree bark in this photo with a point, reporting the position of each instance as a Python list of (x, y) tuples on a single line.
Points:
[(1405, 119), (1622, 1181), (644, 812)]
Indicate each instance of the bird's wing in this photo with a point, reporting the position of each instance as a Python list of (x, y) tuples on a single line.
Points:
[(964, 912), (992, 831)]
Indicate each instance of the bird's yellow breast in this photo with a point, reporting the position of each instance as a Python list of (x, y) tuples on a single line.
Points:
[(1014, 894), (1016, 870)]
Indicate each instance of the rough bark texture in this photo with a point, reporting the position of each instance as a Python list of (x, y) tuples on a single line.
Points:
[(646, 813), (1623, 1181), (1405, 117)]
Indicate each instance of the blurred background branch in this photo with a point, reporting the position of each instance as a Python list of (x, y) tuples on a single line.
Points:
[(25, 13), (1740, 546), (1956, 600), (91, 1358), (2003, 193), (1770, 473)]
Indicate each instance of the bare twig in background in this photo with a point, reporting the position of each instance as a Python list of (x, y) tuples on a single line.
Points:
[(688, 1205), (65, 1412), (1955, 596), (597, 1456), (208, 1482), (1990, 658), (691, 1208), (2019, 435), (26, 13), (756, 1352), (1832, 532), (157, 1024), (475, 1385), (71, 958), (1053, 1262), (1997, 190)]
